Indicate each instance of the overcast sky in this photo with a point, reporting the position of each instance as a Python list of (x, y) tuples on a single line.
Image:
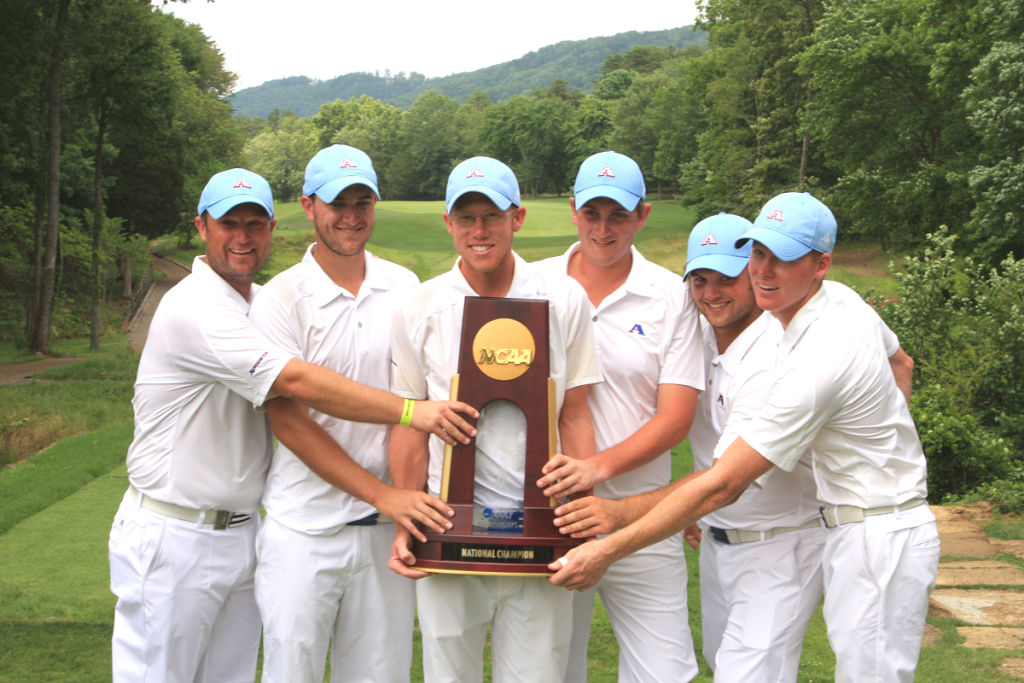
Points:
[(267, 39)]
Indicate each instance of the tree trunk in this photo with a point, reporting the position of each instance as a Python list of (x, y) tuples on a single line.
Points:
[(806, 150), (41, 341), (128, 276), (97, 225), (659, 190), (40, 206)]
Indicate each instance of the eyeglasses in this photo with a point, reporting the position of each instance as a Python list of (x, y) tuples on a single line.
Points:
[(465, 220)]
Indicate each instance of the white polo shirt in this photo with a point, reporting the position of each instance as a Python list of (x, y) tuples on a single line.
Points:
[(739, 382), (647, 334), (833, 390), (425, 340), (199, 442), (305, 313)]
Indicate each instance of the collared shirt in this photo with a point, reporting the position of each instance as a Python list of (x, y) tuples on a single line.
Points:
[(739, 382), (305, 313), (425, 341), (647, 335), (833, 390), (198, 441)]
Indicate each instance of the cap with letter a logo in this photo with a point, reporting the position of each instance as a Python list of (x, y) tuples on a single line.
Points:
[(712, 245), (227, 189), (334, 168), (611, 175), (487, 176), (792, 224)]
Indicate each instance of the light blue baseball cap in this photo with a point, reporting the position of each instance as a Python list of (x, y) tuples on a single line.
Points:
[(227, 189), (713, 245), (487, 176), (792, 224), (611, 175), (334, 168)]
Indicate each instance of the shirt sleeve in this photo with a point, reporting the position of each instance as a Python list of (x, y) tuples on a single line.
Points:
[(271, 317), (799, 404), (684, 357), (408, 378), (222, 344)]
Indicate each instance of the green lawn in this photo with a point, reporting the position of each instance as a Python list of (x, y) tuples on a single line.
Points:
[(56, 610)]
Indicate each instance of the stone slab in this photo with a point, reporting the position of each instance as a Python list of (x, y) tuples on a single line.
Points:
[(1013, 667), (1008, 547), (983, 573), (932, 635), (959, 536), (981, 607), (992, 637)]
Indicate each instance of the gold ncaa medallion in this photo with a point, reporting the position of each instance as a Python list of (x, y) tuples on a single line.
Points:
[(504, 349)]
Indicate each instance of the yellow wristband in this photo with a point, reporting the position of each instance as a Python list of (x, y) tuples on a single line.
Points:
[(407, 412)]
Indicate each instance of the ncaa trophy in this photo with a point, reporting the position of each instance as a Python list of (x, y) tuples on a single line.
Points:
[(504, 355)]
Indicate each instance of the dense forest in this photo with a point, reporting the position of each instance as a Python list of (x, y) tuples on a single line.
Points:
[(577, 62), (905, 116)]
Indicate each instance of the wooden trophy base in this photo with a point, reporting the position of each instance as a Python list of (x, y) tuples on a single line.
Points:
[(460, 551)]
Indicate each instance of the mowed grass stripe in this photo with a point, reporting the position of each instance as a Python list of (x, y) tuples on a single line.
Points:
[(59, 471)]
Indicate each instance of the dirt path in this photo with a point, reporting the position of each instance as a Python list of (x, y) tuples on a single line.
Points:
[(174, 272)]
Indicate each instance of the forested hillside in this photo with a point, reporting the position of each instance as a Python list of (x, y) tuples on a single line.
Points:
[(576, 61)]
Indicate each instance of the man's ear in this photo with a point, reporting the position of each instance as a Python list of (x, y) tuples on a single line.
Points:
[(201, 227)]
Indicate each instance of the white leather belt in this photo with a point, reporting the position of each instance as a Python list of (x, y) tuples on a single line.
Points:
[(737, 536), (220, 519), (851, 514)]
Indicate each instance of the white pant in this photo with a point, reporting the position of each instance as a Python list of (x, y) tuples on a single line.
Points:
[(645, 597), (186, 610), (878, 574), (756, 602), (531, 625), (333, 589)]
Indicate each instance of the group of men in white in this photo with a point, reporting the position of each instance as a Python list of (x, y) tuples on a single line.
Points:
[(809, 478)]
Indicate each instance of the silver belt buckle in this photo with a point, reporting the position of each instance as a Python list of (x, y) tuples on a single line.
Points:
[(831, 517), (223, 519)]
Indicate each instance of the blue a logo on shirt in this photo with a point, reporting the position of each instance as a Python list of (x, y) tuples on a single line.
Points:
[(636, 329)]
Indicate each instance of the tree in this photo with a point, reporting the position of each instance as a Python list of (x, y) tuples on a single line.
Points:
[(896, 138), (995, 106), (430, 148), (531, 135)]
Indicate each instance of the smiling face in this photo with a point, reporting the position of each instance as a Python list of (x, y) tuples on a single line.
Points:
[(345, 224), (485, 246), (783, 287), (606, 229), (237, 243), (727, 302)]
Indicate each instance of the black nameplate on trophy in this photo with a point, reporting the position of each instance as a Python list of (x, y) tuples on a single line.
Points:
[(504, 355)]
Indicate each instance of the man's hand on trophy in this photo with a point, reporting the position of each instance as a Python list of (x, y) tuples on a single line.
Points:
[(402, 560), (564, 476), (589, 516), (582, 567), (408, 507), (441, 418)]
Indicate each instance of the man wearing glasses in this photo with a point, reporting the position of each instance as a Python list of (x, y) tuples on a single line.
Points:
[(530, 623), (323, 552)]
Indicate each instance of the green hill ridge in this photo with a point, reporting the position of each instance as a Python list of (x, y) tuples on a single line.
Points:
[(576, 61)]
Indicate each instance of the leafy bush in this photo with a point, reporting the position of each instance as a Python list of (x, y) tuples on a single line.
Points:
[(963, 324)]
